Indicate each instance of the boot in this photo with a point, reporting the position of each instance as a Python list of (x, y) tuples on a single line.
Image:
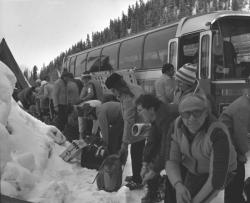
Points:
[(150, 197)]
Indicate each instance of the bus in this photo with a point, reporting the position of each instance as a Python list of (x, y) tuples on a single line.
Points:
[(218, 43)]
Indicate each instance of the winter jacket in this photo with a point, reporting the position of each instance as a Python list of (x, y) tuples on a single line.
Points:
[(209, 152), (26, 97), (65, 93), (92, 91), (164, 88), (48, 90), (158, 143), (237, 118), (109, 114), (129, 113)]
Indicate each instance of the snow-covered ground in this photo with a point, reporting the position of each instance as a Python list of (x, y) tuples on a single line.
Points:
[(31, 168)]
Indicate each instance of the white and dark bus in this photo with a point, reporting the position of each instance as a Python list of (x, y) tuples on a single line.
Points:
[(218, 42)]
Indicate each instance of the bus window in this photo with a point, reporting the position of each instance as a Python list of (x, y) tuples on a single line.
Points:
[(72, 64), (80, 64), (93, 61), (231, 49), (109, 57), (189, 46), (204, 57), (130, 53), (156, 48)]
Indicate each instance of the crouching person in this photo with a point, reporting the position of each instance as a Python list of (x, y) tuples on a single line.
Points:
[(109, 118), (160, 116), (202, 145)]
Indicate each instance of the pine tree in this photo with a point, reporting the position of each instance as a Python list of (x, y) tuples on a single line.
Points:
[(34, 73), (88, 43)]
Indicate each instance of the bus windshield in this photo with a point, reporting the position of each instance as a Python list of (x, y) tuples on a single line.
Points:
[(231, 49)]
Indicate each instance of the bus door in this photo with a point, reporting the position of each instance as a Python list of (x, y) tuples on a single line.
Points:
[(204, 62), (173, 51), (230, 69)]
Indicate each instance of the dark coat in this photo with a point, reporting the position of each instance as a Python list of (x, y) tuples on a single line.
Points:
[(158, 143)]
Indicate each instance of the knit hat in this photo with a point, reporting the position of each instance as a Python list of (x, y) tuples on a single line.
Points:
[(187, 74), (113, 80), (192, 102)]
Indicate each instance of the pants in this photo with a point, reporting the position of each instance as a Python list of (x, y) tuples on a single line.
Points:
[(153, 184), (136, 152), (234, 190), (115, 137), (85, 127), (170, 195), (62, 116)]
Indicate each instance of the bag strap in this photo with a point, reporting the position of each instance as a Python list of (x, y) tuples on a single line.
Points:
[(99, 170), (102, 167)]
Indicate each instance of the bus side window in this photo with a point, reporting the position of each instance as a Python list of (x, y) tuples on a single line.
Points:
[(131, 53), (71, 68), (109, 57), (80, 64), (93, 61), (156, 47)]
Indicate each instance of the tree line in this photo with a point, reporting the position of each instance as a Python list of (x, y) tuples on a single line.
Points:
[(139, 17)]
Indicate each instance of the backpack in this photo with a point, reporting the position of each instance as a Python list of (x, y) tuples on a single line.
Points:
[(109, 176), (93, 154)]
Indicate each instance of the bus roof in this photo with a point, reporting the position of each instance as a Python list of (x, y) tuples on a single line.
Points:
[(203, 22)]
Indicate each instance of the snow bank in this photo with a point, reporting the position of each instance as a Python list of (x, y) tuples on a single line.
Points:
[(31, 168)]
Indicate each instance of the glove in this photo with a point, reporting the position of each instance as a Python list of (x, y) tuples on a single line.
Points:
[(144, 169), (123, 153), (148, 176)]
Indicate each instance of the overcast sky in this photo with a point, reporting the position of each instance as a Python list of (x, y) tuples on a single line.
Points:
[(37, 31)]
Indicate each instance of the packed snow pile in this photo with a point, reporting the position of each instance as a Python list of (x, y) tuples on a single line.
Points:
[(31, 168)]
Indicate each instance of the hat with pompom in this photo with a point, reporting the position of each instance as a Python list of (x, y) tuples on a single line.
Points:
[(187, 74)]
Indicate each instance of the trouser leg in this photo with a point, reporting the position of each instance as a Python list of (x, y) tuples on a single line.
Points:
[(136, 159), (114, 140), (85, 127), (234, 190), (62, 117), (170, 195)]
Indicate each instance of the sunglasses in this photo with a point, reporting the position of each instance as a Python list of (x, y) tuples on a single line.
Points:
[(195, 113)]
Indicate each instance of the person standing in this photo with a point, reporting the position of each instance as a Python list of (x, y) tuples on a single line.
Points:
[(127, 93), (160, 116), (237, 118), (165, 85), (48, 92), (65, 93), (91, 90)]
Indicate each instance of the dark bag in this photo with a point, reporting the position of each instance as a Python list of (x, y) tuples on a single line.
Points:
[(93, 154), (247, 189), (109, 177)]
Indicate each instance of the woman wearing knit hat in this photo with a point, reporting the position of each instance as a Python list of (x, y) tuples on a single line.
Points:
[(201, 145), (186, 82), (127, 93)]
